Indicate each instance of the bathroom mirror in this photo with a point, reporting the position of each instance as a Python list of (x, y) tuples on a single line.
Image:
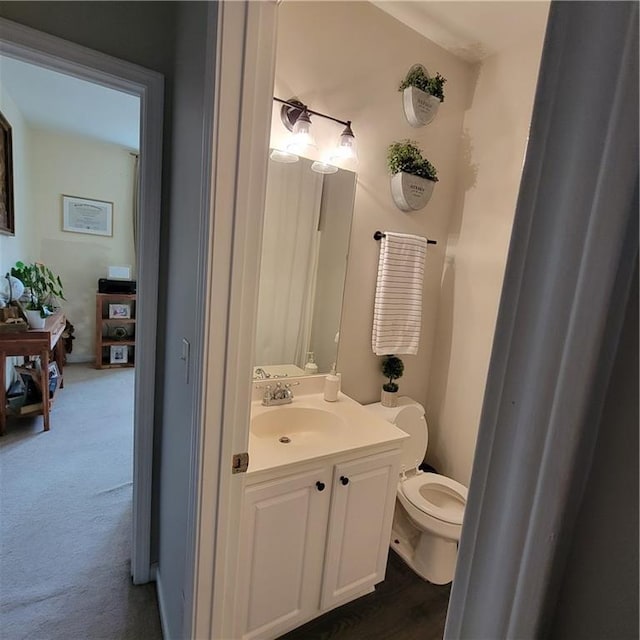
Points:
[(305, 243)]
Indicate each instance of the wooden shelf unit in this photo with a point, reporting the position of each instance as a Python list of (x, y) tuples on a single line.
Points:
[(105, 326)]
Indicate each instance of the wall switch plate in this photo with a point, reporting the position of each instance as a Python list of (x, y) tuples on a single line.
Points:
[(185, 357)]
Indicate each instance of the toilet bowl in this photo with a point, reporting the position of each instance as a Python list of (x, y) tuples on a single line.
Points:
[(429, 507)]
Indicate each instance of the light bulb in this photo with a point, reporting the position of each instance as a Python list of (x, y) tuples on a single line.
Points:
[(346, 148), (301, 137)]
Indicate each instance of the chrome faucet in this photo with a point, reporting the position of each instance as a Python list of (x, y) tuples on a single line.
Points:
[(261, 374), (278, 395)]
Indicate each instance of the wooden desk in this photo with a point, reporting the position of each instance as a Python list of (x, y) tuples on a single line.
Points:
[(34, 342)]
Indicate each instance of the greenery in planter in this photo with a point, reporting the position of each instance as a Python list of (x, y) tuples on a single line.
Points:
[(42, 284), (392, 368), (420, 80), (406, 156)]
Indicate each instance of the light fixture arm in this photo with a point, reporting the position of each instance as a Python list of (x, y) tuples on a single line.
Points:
[(297, 106)]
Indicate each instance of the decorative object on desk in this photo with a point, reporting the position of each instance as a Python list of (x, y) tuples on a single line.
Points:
[(85, 215), (414, 177), (7, 216), (10, 289), (11, 320), (118, 354), (118, 333), (421, 95), (43, 286), (118, 310), (392, 368)]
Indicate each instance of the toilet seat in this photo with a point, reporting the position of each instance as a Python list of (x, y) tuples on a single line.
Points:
[(438, 496)]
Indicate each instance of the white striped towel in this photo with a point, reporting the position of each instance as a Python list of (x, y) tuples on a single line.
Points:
[(397, 312)]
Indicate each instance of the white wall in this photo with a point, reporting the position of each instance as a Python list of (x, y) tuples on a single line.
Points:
[(477, 142), (347, 59), (86, 168), (496, 128)]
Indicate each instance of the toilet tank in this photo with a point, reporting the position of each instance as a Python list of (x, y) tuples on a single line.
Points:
[(408, 416)]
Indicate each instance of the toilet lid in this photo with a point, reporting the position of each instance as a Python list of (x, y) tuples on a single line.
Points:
[(437, 496)]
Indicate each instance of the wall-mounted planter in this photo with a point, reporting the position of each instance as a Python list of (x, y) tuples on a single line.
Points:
[(420, 107), (409, 192)]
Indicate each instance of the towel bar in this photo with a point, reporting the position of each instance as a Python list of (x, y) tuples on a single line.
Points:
[(378, 235)]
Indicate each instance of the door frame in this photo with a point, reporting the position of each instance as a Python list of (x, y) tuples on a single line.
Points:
[(56, 54), (241, 112)]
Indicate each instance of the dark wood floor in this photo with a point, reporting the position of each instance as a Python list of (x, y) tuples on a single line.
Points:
[(403, 607)]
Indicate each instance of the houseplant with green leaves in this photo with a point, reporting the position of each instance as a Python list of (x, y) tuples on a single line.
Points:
[(392, 368), (413, 176), (422, 95), (42, 287)]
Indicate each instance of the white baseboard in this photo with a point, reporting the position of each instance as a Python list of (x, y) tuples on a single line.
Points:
[(161, 608)]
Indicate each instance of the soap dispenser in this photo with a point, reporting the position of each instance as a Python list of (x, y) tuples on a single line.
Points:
[(311, 367), (332, 385)]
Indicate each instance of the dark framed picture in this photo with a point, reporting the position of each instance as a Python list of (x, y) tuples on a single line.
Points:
[(7, 215)]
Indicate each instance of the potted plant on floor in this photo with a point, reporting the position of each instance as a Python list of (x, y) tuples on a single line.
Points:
[(41, 287), (421, 95), (413, 177), (392, 368)]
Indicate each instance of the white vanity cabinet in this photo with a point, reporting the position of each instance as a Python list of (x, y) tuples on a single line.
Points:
[(362, 503), (313, 539)]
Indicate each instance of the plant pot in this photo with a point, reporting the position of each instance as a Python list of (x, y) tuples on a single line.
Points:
[(389, 398), (35, 320), (409, 192), (420, 107)]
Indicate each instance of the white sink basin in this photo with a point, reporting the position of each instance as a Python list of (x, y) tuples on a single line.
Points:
[(297, 425)]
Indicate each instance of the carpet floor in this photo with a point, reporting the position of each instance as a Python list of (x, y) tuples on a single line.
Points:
[(65, 518)]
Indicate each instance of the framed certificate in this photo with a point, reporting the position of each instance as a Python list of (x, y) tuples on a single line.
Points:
[(83, 215)]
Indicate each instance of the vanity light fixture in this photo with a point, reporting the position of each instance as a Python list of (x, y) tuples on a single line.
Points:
[(296, 117)]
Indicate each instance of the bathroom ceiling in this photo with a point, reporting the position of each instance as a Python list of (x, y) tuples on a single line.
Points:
[(54, 101), (471, 30)]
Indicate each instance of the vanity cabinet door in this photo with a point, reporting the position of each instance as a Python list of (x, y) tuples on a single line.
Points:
[(283, 535), (362, 503)]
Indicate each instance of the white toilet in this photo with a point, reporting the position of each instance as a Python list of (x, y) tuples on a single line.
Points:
[(429, 507)]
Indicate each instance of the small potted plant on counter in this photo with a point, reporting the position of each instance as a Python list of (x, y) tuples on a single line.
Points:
[(421, 95), (413, 177), (41, 285), (392, 368)]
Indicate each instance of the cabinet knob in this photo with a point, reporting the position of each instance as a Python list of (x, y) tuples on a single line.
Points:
[(320, 485), (344, 480)]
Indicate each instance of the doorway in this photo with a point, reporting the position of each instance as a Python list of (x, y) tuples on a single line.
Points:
[(26, 45)]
